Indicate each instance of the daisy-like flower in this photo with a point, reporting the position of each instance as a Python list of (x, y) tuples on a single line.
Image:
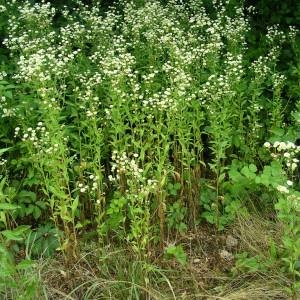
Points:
[(282, 189)]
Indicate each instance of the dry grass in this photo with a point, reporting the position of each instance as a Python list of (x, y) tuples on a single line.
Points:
[(118, 274), (255, 234)]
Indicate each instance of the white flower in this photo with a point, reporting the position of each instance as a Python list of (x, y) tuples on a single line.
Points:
[(290, 145), (2, 8), (3, 162), (282, 189), (267, 145), (289, 182), (286, 154), (282, 146)]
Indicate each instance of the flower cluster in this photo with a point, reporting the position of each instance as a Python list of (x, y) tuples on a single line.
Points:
[(292, 32), (42, 65), (39, 137), (7, 110), (278, 80), (20, 36), (284, 189), (88, 101), (287, 151), (216, 87), (274, 34), (262, 67), (31, 134), (91, 185), (42, 58), (122, 164), (294, 199), (234, 67), (127, 166), (3, 161), (3, 74), (160, 101)]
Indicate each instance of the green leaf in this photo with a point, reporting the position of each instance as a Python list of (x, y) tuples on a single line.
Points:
[(177, 186), (278, 132), (8, 206), (2, 183), (58, 193), (10, 235), (15, 234), (221, 177), (249, 171), (78, 225), (41, 204), (178, 253), (74, 205), (24, 264), (209, 217), (36, 212), (29, 209), (252, 168), (27, 196), (3, 150)]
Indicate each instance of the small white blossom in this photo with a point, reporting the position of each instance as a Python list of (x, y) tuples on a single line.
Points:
[(276, 144), (282, 189), (2, 8)]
